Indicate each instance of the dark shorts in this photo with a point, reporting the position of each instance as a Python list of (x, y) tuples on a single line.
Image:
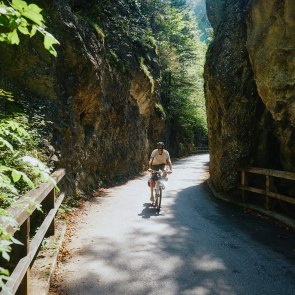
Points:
[(158, 167)]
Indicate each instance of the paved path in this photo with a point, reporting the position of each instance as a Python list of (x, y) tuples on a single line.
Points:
[(197, 245)]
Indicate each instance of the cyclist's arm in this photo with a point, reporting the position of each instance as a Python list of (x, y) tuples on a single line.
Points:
[(169, 163), (151, 162)]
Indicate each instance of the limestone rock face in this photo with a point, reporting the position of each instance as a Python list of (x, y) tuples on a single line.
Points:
[(271, 47), (101, 113), (231, 97), (249, 87)]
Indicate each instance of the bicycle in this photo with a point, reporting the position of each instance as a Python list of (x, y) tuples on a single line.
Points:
[(158, 178)]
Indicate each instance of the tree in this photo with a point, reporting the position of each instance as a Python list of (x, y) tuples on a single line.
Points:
[(181, 55)]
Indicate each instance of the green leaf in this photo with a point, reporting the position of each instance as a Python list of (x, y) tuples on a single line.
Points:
[(5, 183), (27, 180), (23, 27), (4, 142), (5, 256), (16, 175), (4, 271), (33, 31), (15, 241), (4, 169), (13, 38), (34, 16), (24, 30), (35, 8), (3, 37), (49, 41), (19, 5)]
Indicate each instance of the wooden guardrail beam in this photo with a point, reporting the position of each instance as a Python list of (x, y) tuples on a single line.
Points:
[(25, 205), (21, 211), (269, 174), (201, 150)]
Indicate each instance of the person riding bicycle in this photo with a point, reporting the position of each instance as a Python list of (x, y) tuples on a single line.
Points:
[(158, 160)]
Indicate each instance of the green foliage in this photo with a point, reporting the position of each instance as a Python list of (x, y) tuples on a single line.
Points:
[(167, 29), (19, 167), (182, 57), (26, 19), (160, 111), (124, 27), (147, 74), (5, 247), (99, 32), (205, 30), (20, 170), (4, 274)]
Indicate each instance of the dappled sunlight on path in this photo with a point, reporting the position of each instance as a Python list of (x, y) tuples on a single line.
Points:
[(192, 247)]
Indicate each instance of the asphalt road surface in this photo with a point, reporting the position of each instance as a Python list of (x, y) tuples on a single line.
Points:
[(196, 245)]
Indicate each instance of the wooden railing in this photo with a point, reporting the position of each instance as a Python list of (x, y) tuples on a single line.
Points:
[(201, 150), (23, 255), (269, 175)]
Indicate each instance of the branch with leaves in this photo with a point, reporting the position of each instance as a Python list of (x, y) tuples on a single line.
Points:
[(19, 17)]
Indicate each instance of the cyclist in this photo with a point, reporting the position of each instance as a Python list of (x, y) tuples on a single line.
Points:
[(158, 160)]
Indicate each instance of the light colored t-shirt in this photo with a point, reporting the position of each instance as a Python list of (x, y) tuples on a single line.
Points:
[(159, 159)]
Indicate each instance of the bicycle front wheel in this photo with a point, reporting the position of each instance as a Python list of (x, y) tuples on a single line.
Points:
[(159, 200)]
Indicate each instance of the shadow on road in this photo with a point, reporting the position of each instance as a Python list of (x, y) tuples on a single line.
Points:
[(148, 211), (200, 246)]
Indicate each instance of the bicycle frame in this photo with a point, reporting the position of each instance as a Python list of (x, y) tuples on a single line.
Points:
[(159, 186)]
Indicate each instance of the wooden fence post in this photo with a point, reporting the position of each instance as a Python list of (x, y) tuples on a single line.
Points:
[(24, 237)]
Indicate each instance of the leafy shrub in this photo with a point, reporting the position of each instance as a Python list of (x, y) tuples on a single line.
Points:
[(19, 170), (19, 147)]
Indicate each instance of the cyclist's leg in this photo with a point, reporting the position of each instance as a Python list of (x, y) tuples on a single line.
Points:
[(152, 185)]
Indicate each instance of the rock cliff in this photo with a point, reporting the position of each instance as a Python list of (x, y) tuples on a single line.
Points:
[(99, 98), (250, 88)]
